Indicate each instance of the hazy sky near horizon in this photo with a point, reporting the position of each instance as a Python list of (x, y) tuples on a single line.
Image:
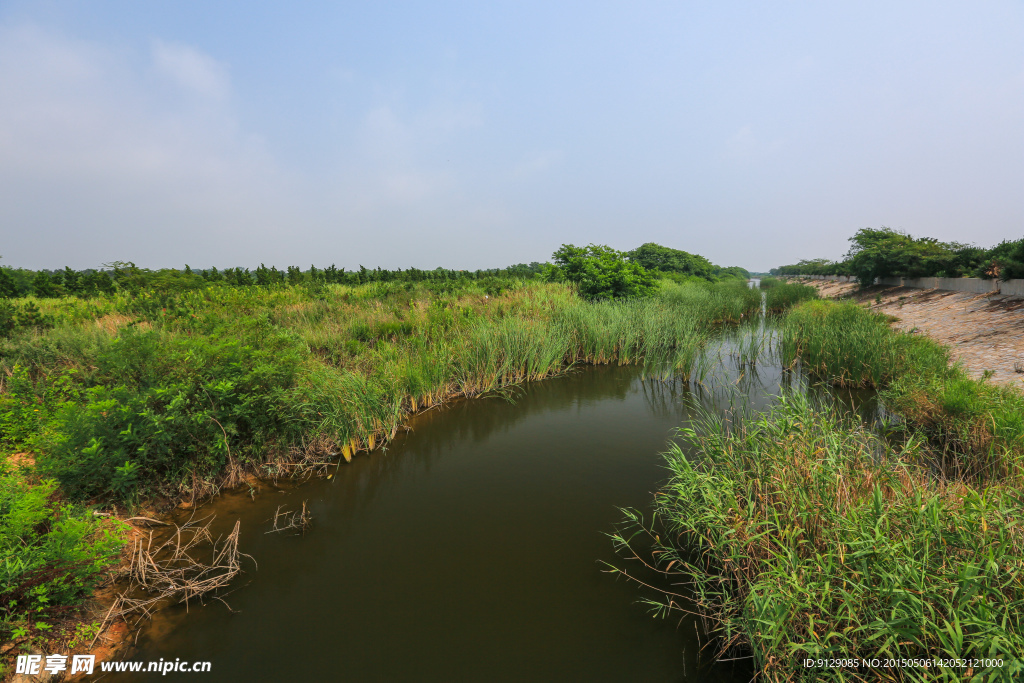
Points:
[(475, 135)]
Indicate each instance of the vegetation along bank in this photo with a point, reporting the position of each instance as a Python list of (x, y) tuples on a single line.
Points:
[(983, 331), (884, 252), (126, 387), (807, 535)]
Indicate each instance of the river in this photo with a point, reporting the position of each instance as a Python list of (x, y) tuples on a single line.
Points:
[(470, 549)]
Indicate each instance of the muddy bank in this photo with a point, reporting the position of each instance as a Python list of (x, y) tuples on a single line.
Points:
[(984, 331)]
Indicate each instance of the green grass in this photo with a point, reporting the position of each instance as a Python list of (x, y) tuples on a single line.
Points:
[(780, 296), (154, 393), (801, 534), (976, 429), (54, 554)]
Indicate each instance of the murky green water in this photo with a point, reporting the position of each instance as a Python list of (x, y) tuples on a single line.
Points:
[(470, 550)]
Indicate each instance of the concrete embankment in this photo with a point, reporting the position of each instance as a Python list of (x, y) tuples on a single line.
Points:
[(953, 284), (985, 329)]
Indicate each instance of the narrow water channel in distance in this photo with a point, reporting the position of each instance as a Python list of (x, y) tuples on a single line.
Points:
[(469, 550)]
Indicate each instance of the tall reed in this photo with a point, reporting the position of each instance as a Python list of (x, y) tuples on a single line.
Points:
[(976, 429), (171, 390), (803, 535)]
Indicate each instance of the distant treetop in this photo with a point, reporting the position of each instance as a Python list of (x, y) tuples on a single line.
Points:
[(667, 260)]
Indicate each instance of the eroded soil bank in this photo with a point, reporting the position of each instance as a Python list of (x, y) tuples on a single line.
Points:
[(985, 332)]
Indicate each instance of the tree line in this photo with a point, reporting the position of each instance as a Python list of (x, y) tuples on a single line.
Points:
[(884, 252), (600, 271), (127, 277)]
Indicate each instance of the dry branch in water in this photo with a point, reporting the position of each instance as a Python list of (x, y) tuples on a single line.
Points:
[(311, 459), (170, 572), (299, 519)]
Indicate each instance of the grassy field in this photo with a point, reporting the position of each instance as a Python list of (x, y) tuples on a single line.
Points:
[(136, 396), (807, 535)]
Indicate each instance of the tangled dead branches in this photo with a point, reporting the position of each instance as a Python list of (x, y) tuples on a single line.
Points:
[(311, 459), (299, 519), (171, 572)]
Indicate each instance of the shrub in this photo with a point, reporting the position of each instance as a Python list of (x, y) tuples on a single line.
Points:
[(601, 272), (53, 553), (165, 409)]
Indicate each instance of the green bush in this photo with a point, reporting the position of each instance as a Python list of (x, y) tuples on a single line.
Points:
[(601, 272), (24, 317), (164, 409), (53, 554)]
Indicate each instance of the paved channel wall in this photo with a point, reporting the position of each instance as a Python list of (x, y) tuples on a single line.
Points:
[(953, 284)]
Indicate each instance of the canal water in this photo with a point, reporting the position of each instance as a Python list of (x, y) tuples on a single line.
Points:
[(471, 549)]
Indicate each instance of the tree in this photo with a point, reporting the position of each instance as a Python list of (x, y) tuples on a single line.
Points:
[(98, 281), (601, 272), (43, 286), (8, 286), (731, 273), (656, 257), (884, 252), (128, 276), (818, 266), (1005, 260)]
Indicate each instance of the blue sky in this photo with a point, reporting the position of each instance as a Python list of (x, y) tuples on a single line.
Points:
[(472, 135)]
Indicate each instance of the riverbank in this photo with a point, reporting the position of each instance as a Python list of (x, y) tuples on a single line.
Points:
[(985, 332), (808, 535), (162, 396)]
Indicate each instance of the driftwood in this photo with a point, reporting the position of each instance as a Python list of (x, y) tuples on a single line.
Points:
[(149, 520)]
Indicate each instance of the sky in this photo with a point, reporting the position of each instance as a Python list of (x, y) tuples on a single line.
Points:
[(483, 134)]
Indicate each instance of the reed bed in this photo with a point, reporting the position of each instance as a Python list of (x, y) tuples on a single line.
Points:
[(127, 398), (187, 390), (976, 429), (780, 296), (803, 535)]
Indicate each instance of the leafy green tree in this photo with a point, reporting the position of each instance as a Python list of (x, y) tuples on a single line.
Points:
[(601, 272), (128, 276), (731, 273), (43, 286), (884, 252), (240, 277), (98, 282), (656, 257), (1005, 260), (212, 275), (263, 276), (71, 281), (8, 286), (818, 266)]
